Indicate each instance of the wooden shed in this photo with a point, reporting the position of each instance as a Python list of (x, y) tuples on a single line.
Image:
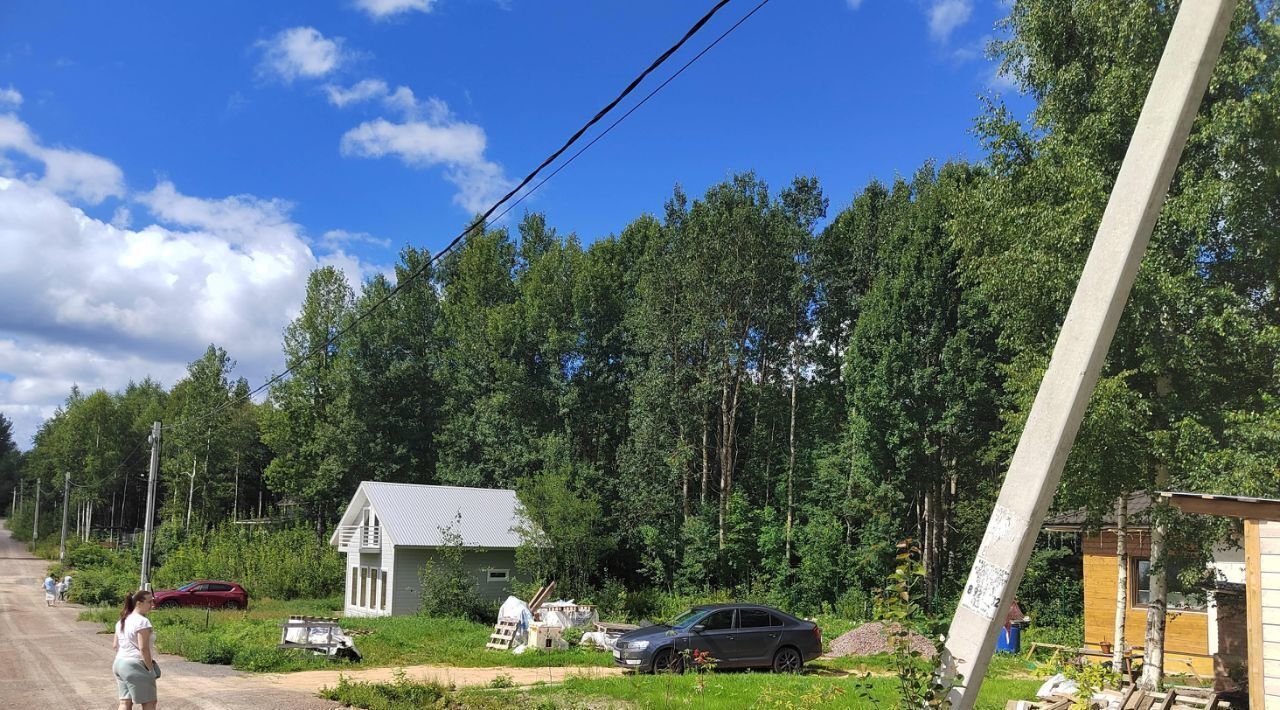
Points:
[(391, 530), (1262, 583), (1204, 629)]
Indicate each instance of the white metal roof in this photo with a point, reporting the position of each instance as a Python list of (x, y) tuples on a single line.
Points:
[(414, 515)]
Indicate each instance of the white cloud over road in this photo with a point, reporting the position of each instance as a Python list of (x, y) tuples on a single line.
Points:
[(67, 172), (425, 134), (9, 96), (95, 303), (383, 9), (946, 15), (301, 52)]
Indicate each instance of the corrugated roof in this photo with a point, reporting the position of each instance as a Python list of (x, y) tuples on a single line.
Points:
[(1136, 505), (414, 515)]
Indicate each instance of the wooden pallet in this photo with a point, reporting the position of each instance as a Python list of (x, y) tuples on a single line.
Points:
[(503, 633)]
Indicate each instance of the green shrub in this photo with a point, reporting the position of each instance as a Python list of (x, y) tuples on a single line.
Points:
[(283, 563), (402, 694), (103, 585), (448, 589)]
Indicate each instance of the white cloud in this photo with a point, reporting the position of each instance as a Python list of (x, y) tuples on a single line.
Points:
[(431, 136), (10, 97), (946, 15), (67, 172), (382, 9), (854, 4), (95, 303), (337, 239), (301, 52), (362, 91)]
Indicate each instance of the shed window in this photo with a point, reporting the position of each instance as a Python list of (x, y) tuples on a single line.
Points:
[(1180, 595), (499, 575), (355, 572), (384, 591)]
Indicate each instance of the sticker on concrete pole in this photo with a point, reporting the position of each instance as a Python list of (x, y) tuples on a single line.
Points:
[(1005, 526), (986, 584)]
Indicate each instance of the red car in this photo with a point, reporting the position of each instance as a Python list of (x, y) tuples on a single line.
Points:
[(204, 593)]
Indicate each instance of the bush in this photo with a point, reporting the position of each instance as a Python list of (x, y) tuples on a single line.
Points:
[(402, 694), (448, 589), (284, 563), (103, 585)]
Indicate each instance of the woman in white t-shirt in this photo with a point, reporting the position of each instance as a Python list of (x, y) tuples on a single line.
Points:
[(135, 646)]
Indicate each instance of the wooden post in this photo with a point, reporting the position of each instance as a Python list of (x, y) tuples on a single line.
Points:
[(1253, 602)]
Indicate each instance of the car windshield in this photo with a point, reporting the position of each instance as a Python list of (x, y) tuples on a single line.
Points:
[(186, 586), (686, 619)]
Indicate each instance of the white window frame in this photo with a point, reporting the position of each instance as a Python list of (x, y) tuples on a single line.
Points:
[(506, 575)]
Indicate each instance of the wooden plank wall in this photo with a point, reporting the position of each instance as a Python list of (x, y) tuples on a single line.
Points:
[(1186, 632), (1265, 577)]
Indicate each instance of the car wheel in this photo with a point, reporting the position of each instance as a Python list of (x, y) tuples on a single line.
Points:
[(231, 605), (668, 661), (168, 604), (787, 660)]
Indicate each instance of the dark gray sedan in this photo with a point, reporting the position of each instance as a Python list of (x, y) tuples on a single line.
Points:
[(732, 635)]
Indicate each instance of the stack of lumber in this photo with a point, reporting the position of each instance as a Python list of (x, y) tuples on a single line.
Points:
[(1132, 698)]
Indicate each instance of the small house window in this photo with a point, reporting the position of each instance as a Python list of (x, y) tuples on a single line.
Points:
[(499, 575), (1180, 596)]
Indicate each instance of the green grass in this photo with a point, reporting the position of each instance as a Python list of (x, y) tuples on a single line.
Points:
[(247, 639), (714, 691)]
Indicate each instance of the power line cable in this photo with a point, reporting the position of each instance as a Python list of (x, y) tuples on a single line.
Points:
[(484, 218)]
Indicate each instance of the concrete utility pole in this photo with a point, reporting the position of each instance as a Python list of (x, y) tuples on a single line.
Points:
[(35, 519), (13, 508), (151, 506), (66, 493), (1158, 140)]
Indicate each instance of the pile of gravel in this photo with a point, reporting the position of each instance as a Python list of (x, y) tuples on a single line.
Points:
[(875, 638)]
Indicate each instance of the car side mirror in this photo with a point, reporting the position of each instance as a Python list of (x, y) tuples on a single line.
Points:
[(698, 628)]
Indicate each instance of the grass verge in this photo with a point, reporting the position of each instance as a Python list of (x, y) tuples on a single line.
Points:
[(247, 639), (713, 692)]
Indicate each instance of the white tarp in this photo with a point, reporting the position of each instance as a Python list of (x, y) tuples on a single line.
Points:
[(515, 609)]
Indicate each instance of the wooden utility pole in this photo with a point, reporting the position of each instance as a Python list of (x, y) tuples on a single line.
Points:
[(151, 506), (1158, 140), (66, 493)]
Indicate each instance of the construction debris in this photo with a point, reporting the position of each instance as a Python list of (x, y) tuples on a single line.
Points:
[(877, 637), (319, 634)]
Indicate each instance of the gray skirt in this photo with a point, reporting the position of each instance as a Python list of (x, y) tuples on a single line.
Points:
[(134, 681)]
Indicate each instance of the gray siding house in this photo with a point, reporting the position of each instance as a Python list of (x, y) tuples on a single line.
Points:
[(390, 530)]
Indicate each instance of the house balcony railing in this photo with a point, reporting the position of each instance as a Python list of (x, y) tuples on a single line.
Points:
[(359, 537)]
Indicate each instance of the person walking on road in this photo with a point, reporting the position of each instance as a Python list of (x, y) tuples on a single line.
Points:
[(50, 590), (135, 667), (66, 584)]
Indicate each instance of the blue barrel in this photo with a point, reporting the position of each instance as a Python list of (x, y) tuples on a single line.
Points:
[(1010, 639)]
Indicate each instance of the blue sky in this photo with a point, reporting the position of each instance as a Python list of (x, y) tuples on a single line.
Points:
[(197, 160)]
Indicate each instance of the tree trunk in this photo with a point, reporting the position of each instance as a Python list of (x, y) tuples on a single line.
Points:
[(791, 467), (1153, 653), (706, 458), (191, 492), (1122, 584)]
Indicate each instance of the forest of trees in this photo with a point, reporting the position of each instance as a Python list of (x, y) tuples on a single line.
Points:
[(755, 391)]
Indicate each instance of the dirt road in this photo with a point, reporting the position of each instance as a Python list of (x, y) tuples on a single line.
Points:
[(49, 660)]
